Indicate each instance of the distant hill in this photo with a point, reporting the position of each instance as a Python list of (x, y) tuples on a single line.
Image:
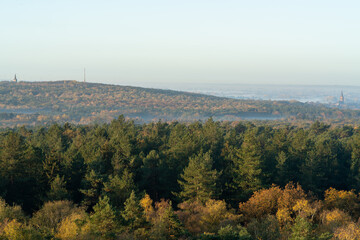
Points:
[(81, 103)]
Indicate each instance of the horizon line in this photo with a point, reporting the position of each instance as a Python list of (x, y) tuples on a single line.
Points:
[(197, 83)]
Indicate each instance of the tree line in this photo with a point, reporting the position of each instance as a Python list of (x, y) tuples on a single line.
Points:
[(200, 180)]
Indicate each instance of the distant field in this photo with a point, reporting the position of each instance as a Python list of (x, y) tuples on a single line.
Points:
[(32, 103)]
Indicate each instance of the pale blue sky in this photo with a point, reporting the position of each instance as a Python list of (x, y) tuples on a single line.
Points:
[(229, 41)]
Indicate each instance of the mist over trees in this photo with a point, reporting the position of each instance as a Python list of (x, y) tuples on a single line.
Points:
[(44, 103)]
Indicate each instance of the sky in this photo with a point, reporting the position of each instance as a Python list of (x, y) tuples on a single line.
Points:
[(167, 41)]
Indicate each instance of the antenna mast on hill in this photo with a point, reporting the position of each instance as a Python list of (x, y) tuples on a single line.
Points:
[(84, 75)]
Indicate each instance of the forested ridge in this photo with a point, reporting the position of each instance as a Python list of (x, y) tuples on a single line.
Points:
[(38, 103), (199, 180)]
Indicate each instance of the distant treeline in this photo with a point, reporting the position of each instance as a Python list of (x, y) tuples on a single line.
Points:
[(211, 180), (34, 103)]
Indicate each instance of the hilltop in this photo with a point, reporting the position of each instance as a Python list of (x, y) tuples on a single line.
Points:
[(82, 103)]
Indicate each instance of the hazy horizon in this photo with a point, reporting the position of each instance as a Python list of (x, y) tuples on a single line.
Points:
[(326, 94), (148, 84), (232, 42)]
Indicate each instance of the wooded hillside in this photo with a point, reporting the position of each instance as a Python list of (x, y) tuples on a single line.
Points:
[(76, 102)]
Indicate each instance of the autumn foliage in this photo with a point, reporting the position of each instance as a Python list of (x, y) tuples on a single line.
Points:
[(211, 180)]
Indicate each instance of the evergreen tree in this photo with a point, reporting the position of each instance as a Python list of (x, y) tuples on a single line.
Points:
[(103, 220), (133, 212), (166, 224), (57, 189), (212, 141), (153, 175), (122, 136), (248, 163), (301, 230), (21, 174), (355, 162), (92, 185), (74, 170), (199, 179), (12, 156), (119, 189), (281, 166)]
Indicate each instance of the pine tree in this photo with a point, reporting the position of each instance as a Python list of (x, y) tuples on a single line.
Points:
[(12, 153), (281, 166), (103, 220), (199, 180), (57, 189), (133, 213), (301, 230), (247, 164), (21, 176), (118, 188), (93, 184), (166, 224), (151, 174)]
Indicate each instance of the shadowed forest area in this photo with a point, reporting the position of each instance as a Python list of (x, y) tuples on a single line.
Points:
[(199, 180)]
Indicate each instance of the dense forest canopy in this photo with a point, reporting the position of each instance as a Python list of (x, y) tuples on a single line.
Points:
[(35, 103), (200, 180)]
